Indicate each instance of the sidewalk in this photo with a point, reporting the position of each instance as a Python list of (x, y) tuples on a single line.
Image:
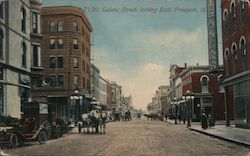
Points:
[(232, 134)]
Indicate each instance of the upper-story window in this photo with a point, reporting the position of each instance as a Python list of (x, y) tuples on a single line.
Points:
[(225, 19), (34, 22), (1, 43), (220, 81), (75, 26), (60, 80), (52, 26), (24, 54), (60, 62), (1, 9), (204, 84), (52, 61), (76, 80), (59, 43), (76, 62), (243, 53), (36, 51), (23, 27), (52, 43), (75, 42), (242, 6), (233, 9), (235, 54), (227, 62), (60, 26)]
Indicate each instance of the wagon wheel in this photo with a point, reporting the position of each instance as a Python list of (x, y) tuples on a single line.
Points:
[(13, 141), (42, 137), (46, 125)]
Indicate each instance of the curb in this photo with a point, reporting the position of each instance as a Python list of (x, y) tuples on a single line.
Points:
[(222, 138)]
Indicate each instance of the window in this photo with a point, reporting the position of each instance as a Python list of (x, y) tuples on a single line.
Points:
[(243, 53), (52, 26), (233, 9), (242, 12), (34, 22), (52, 61), (75, 42), (1, 9), (52, 43), (23, 28), (88, 68), (88, 53), (75, 26), (220, 81), (60, 80), (76, 80), (225, 18), (36, 61), (53, 81), (24, 53), (1, 43), (60, 26), (234, 51), (84, 82), (204, 84), (227, 60), (1, 100), (60, 43), (76, 62), (83, 66), (60, 62)]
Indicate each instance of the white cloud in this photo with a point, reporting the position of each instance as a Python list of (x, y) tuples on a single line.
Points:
[(176, 46)]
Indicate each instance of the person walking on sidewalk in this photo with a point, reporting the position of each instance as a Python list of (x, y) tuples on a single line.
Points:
[(204, 120)]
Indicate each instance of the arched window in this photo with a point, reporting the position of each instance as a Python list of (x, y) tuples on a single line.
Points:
[(75, 26), (75, 42), (220, 82), (52, 26), (227, 61), (242, 12), (60, 43), (243, 53), (225, 19), (24, 53), (204, 84), (235, 54), (1, 42), (60, 26), (233, 9), (52, 43), (23, 28)]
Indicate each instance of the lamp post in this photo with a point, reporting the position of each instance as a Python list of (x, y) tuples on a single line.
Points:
[(77, 97), (189, 97), (176, 107)]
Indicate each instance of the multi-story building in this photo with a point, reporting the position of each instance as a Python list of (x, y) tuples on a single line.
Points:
[(15, 28), (116, 97), (163, 103), (103, 92), (95, 82), (65, 60), (236, 52), (109, 96)]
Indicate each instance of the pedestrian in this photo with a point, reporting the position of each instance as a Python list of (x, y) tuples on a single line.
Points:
[(204, 120)]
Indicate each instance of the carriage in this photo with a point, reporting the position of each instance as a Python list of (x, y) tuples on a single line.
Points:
[(95, 119), (36, 124)]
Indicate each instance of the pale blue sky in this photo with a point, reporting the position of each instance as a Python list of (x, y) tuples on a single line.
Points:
[(136, 49)]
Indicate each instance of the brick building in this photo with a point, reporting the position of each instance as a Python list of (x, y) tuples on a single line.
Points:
[(236, 52), (65, 57)]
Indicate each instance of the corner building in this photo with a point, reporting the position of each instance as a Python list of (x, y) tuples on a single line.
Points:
[(65, 60), (236, 59)]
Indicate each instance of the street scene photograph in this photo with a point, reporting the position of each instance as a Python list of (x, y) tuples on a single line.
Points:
[(124, 78)]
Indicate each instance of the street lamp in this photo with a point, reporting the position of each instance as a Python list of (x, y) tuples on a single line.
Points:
[(176, 107), (189, 97), (77, 97)]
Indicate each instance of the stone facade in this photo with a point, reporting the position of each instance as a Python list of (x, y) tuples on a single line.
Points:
[(15, 55)]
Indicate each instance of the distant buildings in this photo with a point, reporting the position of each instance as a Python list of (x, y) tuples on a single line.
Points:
[(236, 59), (204, 88)]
